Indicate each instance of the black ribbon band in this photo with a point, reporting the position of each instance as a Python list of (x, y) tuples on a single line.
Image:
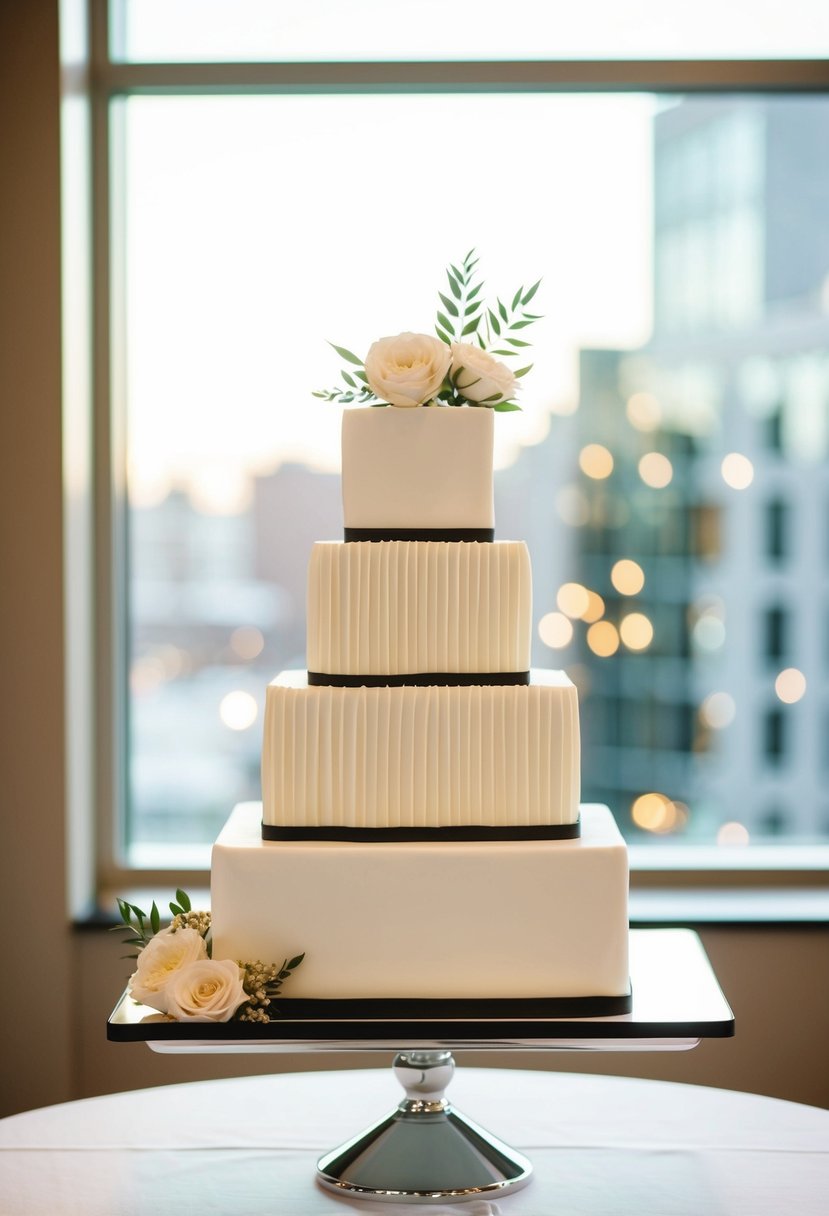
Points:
[(420, 679), (462, 1007), (483, 535), (404, 835)]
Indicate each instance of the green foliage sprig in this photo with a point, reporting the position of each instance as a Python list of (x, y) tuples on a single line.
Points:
[(463, 316)]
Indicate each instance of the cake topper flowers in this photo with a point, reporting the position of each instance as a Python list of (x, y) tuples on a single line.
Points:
[(461, 366), (176, 974)]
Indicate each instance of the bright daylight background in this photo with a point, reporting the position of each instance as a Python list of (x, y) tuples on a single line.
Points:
[(668, 469)]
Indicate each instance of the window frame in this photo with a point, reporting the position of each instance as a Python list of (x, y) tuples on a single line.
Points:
[(671, 866)]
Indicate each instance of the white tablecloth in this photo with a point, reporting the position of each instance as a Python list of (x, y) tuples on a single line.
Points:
[(249, 1146)]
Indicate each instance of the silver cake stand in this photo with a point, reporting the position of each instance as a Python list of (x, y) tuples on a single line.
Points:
[(425, 1151)]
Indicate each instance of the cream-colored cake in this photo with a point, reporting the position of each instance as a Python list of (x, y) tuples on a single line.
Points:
[(421, 757), (420, 835), (405, 607), (526, 919)]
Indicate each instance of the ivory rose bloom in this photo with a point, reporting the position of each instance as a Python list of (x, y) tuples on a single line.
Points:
[(207, 991), (408, 369), (478, 376), (158, 962)]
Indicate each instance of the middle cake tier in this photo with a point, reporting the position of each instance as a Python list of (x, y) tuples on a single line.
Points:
[(407, 608), (415, 759)]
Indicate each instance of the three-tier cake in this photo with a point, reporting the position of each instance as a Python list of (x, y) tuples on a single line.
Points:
[(421, 835)]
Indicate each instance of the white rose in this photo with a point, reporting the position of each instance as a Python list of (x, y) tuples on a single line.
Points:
[(478, 376), (161, 958), (407, 370), (207, 991)]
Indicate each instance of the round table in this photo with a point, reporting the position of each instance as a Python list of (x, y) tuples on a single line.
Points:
[(606, 1145)]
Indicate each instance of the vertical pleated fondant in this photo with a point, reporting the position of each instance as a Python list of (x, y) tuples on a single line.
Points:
[(386, 758), (401, 607)]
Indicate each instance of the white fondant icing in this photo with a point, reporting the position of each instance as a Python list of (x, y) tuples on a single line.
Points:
[(397, 607), (426, 757), (507, 919), (421, 468)]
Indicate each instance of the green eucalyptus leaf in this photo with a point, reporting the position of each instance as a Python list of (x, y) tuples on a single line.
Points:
[(506, 407), (445, 322), (155, 918), (184, 899), (525, 299), (494, 322), (443, 337), (349, 379), (516, 299), (470, 327), (361, 376), (454, 286), (176, 910), (503, 312), (470, 295), (348, 355), (518, 342), (522, 371), (456, 272), (449, 304), (520, 324)]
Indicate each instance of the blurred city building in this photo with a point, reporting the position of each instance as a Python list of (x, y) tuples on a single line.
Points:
[(719, 434)]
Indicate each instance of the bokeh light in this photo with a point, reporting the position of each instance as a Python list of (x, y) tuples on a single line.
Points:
[(595, 608), (708, 632), (247, 641), (654, 812), (238, 710), (627, 577), (790, 685), (737, 471), (636, 631), (555, 630), (603, 639), (718, 710), (656, 470), (733, 834), (596, 461), (643, 411), (573, 600)]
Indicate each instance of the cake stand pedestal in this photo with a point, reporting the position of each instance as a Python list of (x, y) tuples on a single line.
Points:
[(424, 1151)]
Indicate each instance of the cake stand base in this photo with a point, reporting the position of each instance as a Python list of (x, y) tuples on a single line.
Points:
[(424, 1151)]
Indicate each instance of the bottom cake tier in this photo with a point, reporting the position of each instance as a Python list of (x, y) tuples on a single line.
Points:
[(433, 920)]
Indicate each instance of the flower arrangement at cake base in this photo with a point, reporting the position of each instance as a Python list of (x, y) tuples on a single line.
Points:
[(176, 974)]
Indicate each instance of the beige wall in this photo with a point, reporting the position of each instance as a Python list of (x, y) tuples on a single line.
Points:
[(59, 985), (35, 1010)]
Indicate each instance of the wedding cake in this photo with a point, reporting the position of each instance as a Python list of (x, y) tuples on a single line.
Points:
[(420, 835)]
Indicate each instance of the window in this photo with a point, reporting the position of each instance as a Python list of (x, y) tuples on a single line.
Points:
[(249, 222), (777, 529), (775, 736), (776, 629)]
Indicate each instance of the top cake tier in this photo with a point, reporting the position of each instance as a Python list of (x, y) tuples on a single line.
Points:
[(418, 474)]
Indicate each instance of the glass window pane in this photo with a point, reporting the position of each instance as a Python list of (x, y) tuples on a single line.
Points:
[(257, 228), (320, 30)]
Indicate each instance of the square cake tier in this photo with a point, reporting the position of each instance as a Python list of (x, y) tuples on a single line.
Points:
[(512, 919)]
